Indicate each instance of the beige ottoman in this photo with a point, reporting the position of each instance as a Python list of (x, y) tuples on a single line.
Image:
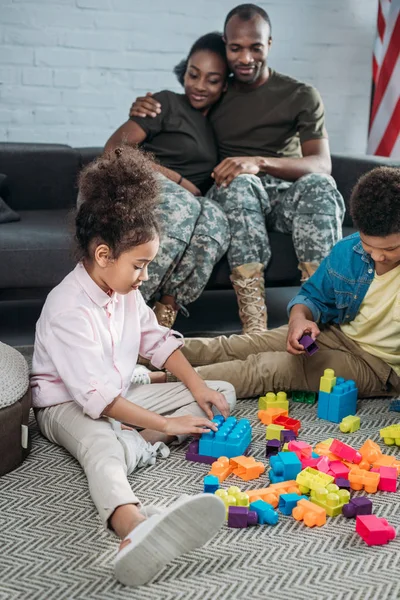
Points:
[(15, 402)]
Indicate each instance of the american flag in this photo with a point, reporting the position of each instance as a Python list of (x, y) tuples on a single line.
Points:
[(384, 125)]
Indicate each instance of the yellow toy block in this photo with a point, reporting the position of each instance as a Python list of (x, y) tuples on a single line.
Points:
[(311, 479), (327, 381), (391, 434), (273, 432), (272, 400), (233, 496), (350, 424), (331, 499)]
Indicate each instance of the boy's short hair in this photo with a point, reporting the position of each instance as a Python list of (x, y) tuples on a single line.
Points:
[(375, 202)]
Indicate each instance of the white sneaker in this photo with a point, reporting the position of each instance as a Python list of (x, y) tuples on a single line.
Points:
[(138, 452), (188, 524), (140, 376)]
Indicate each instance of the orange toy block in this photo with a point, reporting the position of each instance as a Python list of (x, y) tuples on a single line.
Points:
[(362, 479), (387, 461), (246, 467), (221, 468), (370, 453), (272, 493), (322, 449), (267, 416), (309, 513)]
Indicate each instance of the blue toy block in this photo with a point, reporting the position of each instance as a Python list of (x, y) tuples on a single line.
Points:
[(265, 512), (340, 402), (232, 438), (287, 502), (211, 484), (285, 466), (395, 405), (314, 455)]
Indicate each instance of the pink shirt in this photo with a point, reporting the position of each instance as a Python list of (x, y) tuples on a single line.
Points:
[(87, 344)]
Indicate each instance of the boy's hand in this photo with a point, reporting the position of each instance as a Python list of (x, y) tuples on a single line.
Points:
[(188, 425), (297, 328), (206, 398)]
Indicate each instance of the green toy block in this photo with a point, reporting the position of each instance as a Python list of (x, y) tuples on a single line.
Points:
[(304, 397), (311, 479), (331, 498), (327, 381), (391, 435), (273, 432), (272, 400), (350, 424)]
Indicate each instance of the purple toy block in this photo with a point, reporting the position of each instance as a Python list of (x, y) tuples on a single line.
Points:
[(240, 517), (309, 344), (193, 454), (357, 506), (272, 447), (287, 435), (343, 483)]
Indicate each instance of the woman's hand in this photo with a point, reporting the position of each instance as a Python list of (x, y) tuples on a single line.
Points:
[(188, 425), (299, 326), (190, 187), (145, 106)]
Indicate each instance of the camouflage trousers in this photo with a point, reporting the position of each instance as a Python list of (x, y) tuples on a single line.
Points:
[(195, 235), (311, 209)]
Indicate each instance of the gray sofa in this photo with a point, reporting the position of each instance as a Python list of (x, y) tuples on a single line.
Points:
[(37, 251)]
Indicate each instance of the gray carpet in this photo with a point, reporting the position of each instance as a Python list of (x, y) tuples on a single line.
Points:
[(53, 546)]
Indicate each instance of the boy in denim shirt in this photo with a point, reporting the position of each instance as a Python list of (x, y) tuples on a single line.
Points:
[(351, 304)]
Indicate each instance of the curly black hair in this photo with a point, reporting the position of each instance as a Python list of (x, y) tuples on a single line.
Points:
[(119, 193), (212, 42), (375, 202)]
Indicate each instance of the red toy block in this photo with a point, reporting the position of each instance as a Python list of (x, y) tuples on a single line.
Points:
[(345, 452), (288, 423), (373, 530)]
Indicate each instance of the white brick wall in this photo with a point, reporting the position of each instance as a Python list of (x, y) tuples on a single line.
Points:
[(69, 69)]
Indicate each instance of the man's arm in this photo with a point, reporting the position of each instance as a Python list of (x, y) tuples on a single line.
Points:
[(316, 159)]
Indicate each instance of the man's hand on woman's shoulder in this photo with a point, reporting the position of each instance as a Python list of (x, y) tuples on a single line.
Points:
[(145, 106)]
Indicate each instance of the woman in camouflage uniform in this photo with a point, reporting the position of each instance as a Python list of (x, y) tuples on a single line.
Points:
[(195, 229)]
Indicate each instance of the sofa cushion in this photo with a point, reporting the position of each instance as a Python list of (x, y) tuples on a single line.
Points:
[(39, 176), (36, 251)]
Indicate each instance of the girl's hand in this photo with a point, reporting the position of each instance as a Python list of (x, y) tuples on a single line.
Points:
[(297, 328), (188, 424), (190, 187), (206, 398)]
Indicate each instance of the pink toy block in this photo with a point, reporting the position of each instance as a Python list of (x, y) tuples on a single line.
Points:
[(388, 480), (373, 530), (302, 449), (345, 452), (323, 465), (309, 462), (338, 469)]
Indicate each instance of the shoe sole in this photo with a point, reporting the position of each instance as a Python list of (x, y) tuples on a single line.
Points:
[(181, 528)]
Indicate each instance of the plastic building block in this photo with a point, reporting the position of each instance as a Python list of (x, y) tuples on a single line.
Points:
[(331, 498), (387, 461), (322, 448), (241, 517), (302, 449), (370, 453), (266, 514), (272, 447), (232, 438), (288, 423), (285, 447), (273, 432), (287, 435), (357, 506), (272, 493), (388, 479), (309, 345), (284, 466), (338, 469), (395, 405), (342, 483), (345, 452), (193, 454), (349, 424), (233, 496), (311, 479), (221, 468), (337, 398), (272, 400), (374, 531), (246, 467), (391, 435), (304, 397), (309, 513), (287, 502), (211, 484), (361, 479), (267, 416)]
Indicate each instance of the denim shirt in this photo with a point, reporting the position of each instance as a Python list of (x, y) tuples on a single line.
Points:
[(336, 290)]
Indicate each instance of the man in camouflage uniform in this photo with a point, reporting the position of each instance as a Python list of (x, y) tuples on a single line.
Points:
[(194, 237), (275, 164)]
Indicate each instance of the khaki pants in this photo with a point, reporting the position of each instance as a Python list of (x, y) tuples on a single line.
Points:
[(93, 442), (257, 363)]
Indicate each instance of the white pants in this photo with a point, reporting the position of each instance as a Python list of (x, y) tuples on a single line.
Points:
[(94, 443)]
